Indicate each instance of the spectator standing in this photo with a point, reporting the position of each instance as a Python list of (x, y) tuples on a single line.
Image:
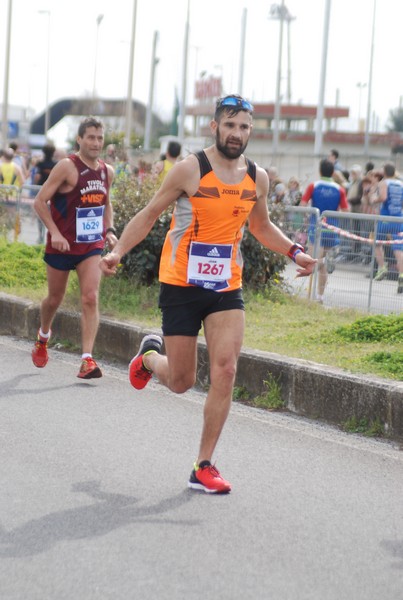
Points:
[(339, 175), (44, 166), (19, 160), (274, 179), (354, 197), (370, 191), (325, 194), (390, 199), (110, 155), (294, 193), (10, 172), (293, 198), (172, 155), (335, 160), (42, 172)]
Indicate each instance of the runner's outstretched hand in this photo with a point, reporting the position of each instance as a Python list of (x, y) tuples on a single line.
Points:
[(305, 263), (109, 263)]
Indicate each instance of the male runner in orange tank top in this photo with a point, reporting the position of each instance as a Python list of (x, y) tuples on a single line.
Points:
[(215, 192)]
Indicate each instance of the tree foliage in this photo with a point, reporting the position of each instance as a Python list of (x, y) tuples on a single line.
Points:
[(396, 120)]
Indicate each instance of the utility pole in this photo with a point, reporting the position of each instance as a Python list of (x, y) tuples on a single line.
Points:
[(182, 111), (149, 113), (371, 62), (129, 100), (322, 85), (280, 13), (242, 51), (4, 117)]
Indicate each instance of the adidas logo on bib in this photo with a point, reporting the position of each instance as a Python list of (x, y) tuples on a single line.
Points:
[(213, 252), (91, 213)]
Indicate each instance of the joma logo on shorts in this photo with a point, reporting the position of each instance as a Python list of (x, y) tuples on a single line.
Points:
[(233, 192)]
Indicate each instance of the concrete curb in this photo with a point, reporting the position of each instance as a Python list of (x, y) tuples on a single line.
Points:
[(308, 389)]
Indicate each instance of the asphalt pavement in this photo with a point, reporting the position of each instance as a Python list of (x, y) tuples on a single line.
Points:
[(94, 501)]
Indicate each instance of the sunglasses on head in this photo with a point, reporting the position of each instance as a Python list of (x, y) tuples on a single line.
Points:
[(233, 101)]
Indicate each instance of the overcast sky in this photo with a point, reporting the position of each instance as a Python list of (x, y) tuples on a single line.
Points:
[(215, 27)]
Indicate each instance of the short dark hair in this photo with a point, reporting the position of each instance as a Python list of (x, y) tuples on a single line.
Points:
[(389, 169), (335, 153), (89, 122), (231, 111), (326, 168), (174, 149), (48, 151)]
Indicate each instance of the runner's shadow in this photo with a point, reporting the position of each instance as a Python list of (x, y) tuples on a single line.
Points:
[(395, 548), (107, 513), (10, 387)]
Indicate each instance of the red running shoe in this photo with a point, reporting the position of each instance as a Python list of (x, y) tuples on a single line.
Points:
[(207, 478), (89, 369), (139, 375), (40, 352)]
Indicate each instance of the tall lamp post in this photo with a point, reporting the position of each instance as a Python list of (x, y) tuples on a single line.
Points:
[(94, 85), (149, 113), (280, 13), (322, 84), (47, 108), (360, 86), (129, 99), (182, 109), (371, 64), (4, 117)]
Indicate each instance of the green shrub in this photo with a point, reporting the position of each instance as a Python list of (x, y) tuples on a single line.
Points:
[(21, 265), (129, 197), (391, 362), (375, 328), (142, 263), (261, 266)]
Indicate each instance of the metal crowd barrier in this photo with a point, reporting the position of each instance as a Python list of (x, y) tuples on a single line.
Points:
[(17, 216), (351, 281), (352, 267)]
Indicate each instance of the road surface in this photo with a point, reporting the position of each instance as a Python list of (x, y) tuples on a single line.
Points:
[(94, 502)]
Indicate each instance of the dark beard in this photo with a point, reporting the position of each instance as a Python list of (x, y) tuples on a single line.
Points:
[(233, 152)]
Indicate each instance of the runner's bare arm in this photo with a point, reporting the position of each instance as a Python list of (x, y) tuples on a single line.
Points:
[(267, 233), (108, 214), (182, 179)]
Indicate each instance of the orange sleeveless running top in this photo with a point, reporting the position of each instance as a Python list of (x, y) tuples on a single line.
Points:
[(202, 246)]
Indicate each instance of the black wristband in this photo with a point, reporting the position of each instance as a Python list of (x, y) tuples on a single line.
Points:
[(111, 230)]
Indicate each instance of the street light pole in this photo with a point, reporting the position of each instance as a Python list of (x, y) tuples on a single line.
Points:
[(47, 115), (242, 51), (129, 100), (360, 86), (277, 106), (149, 113), (280, 12), (4, 117), (371, 62), (94, 85), (182, 108), (320, 112)]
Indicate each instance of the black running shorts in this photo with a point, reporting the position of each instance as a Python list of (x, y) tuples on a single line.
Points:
[(68, 262), (185, 308)]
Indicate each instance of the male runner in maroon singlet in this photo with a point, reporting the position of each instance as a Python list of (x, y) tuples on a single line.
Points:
[(79, 221)]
